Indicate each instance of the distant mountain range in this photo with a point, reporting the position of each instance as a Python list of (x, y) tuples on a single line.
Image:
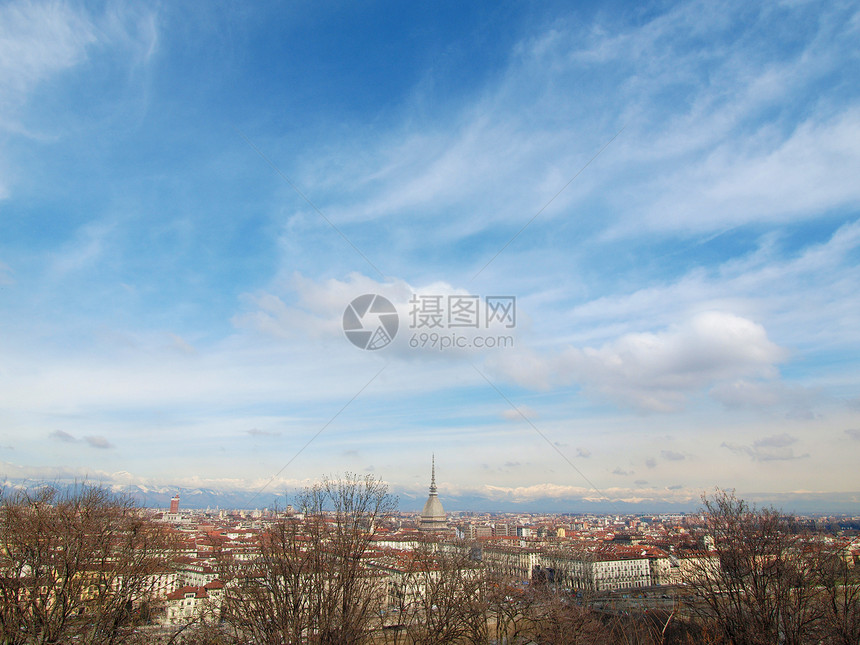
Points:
[(202, 498)]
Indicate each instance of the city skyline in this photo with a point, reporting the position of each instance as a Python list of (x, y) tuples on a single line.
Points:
[(191, 198)]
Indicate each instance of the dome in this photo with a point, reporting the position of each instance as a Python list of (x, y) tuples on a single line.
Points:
[(433, 509)]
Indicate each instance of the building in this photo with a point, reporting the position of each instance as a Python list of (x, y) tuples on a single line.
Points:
[(597, 571), (174, 504), (502, 529), (195, 603), (473, 531), (433, 515), (513, 561)]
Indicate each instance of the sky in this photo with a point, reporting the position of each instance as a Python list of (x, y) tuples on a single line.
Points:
[(664, 196)]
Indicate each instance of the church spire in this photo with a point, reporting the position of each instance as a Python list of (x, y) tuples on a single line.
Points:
[(433, 476)]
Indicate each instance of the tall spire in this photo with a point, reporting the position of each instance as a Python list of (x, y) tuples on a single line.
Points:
[(433, 516)]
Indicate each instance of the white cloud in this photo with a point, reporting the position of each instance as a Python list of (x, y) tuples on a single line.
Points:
[(766, 282), (760, 395), (316, 311), (84, 250), (708, 143), (121, 478), (720, 132), (519, 413), (37, 40), (810, 172), (560, 491), (655, 371), (181, 345), (317, 308)]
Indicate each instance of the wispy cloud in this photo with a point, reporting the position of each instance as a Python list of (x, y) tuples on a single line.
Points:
[(254, 432), (96, 441), (797, 177), (60, 435), (519, 413), (93, 441), (774, 448), (38, 40)]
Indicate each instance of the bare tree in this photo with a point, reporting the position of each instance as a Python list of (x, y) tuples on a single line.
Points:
[(268, 600), (343, 516), (309, 582), (505, 600), (758, 586), (838, 584), (439, 595), (79, 564), (556, 619)]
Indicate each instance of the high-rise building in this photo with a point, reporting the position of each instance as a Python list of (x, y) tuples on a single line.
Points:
[(502, 529), (433, 515), (174, 504)]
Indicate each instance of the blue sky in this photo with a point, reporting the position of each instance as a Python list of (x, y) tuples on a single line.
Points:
[(190, 196)]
